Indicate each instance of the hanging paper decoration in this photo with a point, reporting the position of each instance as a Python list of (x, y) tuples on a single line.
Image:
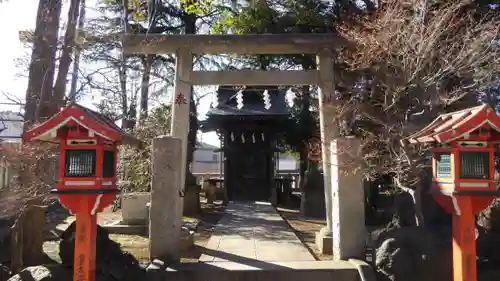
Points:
[(267, 100), (262, 136), (253, 138), (242, 138), (232, 136), (239, 99)]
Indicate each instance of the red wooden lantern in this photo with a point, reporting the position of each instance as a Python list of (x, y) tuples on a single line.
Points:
[(463, 164), (87, 172)]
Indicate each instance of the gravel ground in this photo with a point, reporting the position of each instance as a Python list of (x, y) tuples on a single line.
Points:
[(137, 245), (306, 230)]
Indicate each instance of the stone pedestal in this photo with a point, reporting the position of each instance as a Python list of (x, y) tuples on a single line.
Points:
[(348, 208), (134, 208), (165, 210), (324, 241)]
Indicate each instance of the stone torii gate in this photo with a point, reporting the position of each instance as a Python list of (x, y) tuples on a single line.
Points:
[(346, 216)]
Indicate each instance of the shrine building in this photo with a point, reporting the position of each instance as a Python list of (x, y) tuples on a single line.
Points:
[(248, 123)]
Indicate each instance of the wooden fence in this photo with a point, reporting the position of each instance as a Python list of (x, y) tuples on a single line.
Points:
[(293, 175)]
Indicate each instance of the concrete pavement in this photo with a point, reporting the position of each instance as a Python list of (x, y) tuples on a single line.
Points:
[(254, 232), (253, 242)]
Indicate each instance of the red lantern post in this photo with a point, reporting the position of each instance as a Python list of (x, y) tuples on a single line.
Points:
[(463, 164), (87, 172)]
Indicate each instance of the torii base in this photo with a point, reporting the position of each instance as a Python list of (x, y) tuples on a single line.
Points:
[(324, 241)]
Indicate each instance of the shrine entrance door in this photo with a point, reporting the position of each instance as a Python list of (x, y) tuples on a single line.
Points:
[(249, 170)]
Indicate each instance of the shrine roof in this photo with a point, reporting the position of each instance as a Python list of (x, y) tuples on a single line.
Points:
[(251, 101), (247, 110), (455, 125), (86, 117)]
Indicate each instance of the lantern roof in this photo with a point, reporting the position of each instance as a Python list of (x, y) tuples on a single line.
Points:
[(95, 123), (455, 125)]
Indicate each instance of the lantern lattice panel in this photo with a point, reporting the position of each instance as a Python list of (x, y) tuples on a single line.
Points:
[(108, 165), (80, 163), (474, 165), (443, 164)]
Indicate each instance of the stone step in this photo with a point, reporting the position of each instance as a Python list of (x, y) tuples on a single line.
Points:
[(262, 265), (259, 271)]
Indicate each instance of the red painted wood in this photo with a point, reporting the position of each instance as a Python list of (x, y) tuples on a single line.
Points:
[(85, 243), (82, 116), (74, 123), (479, 203), (450, 126), (464, 242)]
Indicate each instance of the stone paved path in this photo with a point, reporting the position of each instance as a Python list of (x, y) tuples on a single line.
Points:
[(251, 233)]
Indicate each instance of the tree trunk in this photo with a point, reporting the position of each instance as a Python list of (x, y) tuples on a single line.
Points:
[(122, 76), (305, 130), (305, 117), (190, 28), (41, 70), (416, 195), (65, 61), (313, 203), (303, 161), (132, 113), (78, 51), (147, 63)]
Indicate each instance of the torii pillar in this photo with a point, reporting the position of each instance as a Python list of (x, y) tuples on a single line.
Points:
[(344, 235), (180, 111), (324, 238)]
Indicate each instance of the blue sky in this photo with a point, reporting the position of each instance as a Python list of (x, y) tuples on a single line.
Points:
[(16, 15)]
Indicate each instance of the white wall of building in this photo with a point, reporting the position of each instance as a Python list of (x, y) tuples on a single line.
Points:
[(11, 126)]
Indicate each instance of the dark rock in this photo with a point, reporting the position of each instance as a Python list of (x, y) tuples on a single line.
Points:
[(103, 245), (5, 245), (490, 275), (5, 238), (56, 212), (488, 243), (489, 219), (44, 273), (191, 225), (111, 262), (156, 265), (52, 273), (412, 254), (5, 272)]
